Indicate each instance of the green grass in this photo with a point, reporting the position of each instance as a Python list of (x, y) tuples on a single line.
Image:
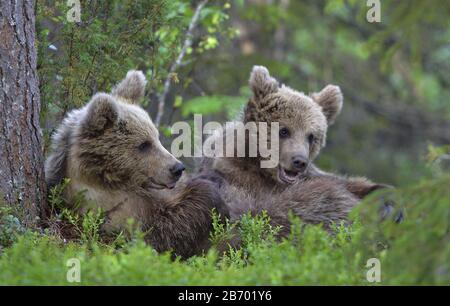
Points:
[(417, 251)]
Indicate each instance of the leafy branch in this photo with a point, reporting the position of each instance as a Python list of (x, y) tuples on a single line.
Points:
[(186, 45)]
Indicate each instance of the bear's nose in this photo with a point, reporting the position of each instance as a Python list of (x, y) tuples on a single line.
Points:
[(300, 163), (177, 169)]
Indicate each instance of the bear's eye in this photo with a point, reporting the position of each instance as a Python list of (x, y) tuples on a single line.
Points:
[(145, 146), (284, 132), (311, 138)]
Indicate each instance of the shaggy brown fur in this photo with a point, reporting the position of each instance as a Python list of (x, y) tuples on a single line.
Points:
[(313, 195), (315, 200), (110, 150)]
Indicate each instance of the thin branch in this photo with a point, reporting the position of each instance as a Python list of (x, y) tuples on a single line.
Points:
[(187, 43)]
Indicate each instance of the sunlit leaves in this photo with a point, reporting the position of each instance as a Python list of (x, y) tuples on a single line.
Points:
[(213, 105)]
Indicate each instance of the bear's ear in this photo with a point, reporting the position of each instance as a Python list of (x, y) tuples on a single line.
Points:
[(261, 83), (132, 88), (330, 99), (102, 112)]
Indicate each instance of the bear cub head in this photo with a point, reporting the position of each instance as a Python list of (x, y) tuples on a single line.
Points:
[(117, 145), (303, 121)]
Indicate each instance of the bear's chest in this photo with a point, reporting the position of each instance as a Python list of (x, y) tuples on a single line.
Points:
[(117, 206)]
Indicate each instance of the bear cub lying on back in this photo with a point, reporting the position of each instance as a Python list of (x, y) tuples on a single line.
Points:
[(295, 185), (110, 150)]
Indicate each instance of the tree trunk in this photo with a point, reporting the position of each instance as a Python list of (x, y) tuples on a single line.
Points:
[(22, 183)]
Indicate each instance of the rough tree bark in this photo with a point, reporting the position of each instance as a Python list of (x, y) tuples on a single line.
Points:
[(21, 159)]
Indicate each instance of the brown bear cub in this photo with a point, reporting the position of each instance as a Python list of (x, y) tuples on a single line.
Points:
[(110, 150), (295, 184)]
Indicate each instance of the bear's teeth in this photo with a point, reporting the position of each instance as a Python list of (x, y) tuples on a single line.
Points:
[(287, 176), (291, 173)]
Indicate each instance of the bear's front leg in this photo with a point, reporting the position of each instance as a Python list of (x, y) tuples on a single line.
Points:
[(184, 225)]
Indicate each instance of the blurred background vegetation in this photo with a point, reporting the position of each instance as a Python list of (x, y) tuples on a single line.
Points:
[(395, 125)]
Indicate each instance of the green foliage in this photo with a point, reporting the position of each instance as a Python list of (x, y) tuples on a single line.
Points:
[(257, 229), (415, 251), (91, 55), (84, 227), (10, 227), (55, 195), (77, 59), (222, 231), (420, 245), (436, 159), (212, 105)]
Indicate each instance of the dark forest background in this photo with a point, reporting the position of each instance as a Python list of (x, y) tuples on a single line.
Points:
[(395, 125)]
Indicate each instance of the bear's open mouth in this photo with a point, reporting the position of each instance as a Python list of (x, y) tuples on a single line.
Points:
[(154, 185), (287, 176)]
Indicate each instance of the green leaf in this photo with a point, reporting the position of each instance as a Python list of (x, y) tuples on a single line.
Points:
[(212, 105), (178, 101)]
